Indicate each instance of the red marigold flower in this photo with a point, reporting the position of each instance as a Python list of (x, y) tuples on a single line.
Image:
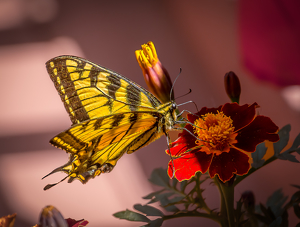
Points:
[(225, 135)]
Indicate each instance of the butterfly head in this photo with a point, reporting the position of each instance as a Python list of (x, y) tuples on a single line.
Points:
[(170, 116), (173, 110)]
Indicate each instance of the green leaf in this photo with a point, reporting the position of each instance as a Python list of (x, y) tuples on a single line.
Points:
[(267, 212), (296, 197), (131, 216), (158, 197), (257, 156), (286, 156), (284, 135), (295, 202), (165, 202), (160, 177), (148, 210), (297, 209), (296, 186), (295, 146), (296, 143), (155, 223), (176, 199), (153, 194), (165, 195), (239, 206), (276, 201), (262, 218), (276, 222), (238, 210)]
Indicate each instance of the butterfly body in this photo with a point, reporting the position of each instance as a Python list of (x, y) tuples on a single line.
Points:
[(111, 115)]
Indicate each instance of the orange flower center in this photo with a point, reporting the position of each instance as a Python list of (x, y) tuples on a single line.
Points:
[(215, 132)]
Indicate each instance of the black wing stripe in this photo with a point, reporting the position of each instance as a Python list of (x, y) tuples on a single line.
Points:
[(153, 134), (117, 119), (115, 84), (133, 96), (69, 90)]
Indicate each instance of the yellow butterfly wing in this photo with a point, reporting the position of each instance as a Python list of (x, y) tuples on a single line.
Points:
[(102, 141), (89, 91), (111, 115)]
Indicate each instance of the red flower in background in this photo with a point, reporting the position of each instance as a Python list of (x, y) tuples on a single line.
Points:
[(225, 135), (269, 41)]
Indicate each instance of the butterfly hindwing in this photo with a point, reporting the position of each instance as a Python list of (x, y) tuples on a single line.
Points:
[(105, 130), (102, 141)]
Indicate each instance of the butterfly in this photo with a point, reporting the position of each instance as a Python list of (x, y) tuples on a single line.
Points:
[(111, 115)]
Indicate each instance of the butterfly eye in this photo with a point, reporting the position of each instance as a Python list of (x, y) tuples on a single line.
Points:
[(174, 106)]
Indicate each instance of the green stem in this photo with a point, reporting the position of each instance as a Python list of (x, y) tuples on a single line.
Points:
[(223, 211), (202, 204), (227, 190), (195, 214)]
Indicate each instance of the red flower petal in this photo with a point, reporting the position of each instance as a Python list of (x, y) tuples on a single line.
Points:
[(203, 111), (261, 128), (177, 150), (227, 164), (241, 115), (186, 137), (189, 164), (76, 223), (193, 117), (184, 142)]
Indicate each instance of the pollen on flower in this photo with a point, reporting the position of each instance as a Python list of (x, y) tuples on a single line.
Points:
[(215, 132)]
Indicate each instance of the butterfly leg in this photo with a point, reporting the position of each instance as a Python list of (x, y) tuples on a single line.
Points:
[(168, 142)]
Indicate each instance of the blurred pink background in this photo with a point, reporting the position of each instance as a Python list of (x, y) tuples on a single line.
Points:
[(201, 37)]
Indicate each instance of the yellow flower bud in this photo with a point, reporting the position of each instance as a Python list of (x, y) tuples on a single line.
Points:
[(155, 75)]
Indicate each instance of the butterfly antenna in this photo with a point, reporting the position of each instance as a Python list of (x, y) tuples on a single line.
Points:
[(190, 91), (180, 70)]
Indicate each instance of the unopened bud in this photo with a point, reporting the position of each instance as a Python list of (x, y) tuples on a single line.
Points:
[(232, 86), (156, 76), (51, 217), (248, 200)]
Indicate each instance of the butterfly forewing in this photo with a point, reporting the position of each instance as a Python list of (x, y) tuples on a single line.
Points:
[(89, 91)]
